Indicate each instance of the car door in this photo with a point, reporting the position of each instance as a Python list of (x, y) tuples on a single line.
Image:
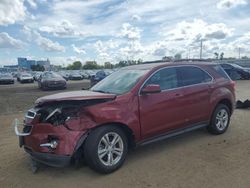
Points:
[(195, 83), (161, 112)]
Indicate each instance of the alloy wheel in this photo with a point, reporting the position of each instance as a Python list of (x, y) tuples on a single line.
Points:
[(222, 118), (110, 149)]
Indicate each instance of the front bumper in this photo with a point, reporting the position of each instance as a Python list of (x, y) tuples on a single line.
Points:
[(37, 141), (52, 85), (26, 80), (7, 81), (49, 159)]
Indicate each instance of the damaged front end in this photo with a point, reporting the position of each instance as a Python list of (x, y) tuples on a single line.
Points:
[(53, 132)]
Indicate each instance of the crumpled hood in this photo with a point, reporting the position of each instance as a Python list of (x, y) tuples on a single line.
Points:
[(74, 95)]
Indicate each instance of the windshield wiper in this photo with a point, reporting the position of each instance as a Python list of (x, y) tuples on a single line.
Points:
[(101, 91)]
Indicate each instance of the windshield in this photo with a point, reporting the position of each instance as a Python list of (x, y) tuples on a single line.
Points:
[(119, 82), (5, 76), (26, 75), (51, 75)]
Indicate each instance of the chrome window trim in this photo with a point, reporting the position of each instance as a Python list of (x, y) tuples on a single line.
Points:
[(176, 66)]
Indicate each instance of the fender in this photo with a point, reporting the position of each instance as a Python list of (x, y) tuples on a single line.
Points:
[(218, 95)]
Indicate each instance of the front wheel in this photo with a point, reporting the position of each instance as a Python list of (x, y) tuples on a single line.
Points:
[(220, 120), (105, 149)]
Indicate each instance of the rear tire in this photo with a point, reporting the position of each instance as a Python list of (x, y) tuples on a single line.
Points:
[(105, 149), (220, 120)]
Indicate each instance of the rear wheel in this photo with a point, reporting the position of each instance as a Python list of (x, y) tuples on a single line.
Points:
[(220, 120), (105, 149)]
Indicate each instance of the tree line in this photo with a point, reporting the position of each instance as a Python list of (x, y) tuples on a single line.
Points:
[(77, 65)]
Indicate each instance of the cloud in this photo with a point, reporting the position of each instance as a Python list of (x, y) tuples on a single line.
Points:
[(32, 4), (49, 46), (227, 4), (44, 43), (192, 32), (11, 11), (7, 41), (64, 60), (136, 17), (130, 32), (63, 29), (79, 50)]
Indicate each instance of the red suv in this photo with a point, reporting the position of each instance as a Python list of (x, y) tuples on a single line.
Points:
[(134, 106)]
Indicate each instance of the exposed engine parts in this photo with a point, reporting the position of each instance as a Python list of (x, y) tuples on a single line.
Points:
[(58, 113)]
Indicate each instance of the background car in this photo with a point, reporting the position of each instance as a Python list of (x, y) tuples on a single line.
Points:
[(90, 73), (236, 72), (26, 78), (51, 80), (64, 75), (6, 79), (37, 75), (75, 76), (98, 77)]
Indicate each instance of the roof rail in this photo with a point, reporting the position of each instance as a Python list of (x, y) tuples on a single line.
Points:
[(179, 60)]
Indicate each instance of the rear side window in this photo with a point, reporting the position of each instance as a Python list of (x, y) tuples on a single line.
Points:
[(166, 78), (192, 75), (221, 71)]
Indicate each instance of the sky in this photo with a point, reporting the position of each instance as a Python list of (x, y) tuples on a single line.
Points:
[(115, 30)]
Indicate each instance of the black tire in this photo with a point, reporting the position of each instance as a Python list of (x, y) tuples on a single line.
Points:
[(219, 129), (92, 145)]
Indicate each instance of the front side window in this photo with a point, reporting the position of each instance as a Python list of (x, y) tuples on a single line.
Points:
[(166, 78), (192, 75)]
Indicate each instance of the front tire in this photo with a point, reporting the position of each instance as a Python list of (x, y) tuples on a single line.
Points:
[(105, 149), (220, 120)]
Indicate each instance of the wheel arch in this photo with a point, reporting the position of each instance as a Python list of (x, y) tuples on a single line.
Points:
[(226, 102)]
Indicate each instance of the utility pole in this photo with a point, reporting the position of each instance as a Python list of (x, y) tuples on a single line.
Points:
[(201, 49), (239, 53), (188, 55)]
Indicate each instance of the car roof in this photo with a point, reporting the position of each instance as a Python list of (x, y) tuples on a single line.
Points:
[(150, 66)]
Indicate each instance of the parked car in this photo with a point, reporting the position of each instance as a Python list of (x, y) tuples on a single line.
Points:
[(18, 76), (75, 76), (134, 106), (98, 77), (37, 76), (236, 72), (6, 79), (64, 75), (84, 75), (25, 78), (51, 80), (90, 73)]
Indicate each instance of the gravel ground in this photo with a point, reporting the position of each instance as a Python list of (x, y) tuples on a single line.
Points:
[(196, 159)]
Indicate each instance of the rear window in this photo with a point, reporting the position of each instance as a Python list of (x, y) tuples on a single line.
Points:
[(221, 71), (193, 75)]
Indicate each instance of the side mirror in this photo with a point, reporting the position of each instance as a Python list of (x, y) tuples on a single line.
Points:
[(151, 88)]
